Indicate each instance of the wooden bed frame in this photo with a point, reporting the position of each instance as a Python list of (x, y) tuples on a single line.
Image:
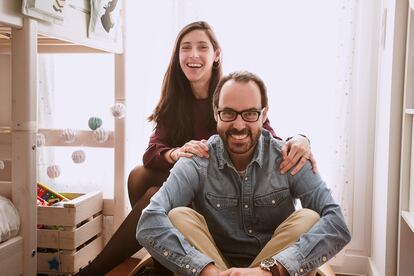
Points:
[(22, 38)]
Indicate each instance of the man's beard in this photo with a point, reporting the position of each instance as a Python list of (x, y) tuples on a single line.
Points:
[(243, 146)]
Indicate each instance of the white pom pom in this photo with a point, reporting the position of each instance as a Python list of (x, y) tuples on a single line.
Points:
[(53, 171), (68, 136), (100, 135), (40, 140), (118, 110), (78, 156), (2, 166)]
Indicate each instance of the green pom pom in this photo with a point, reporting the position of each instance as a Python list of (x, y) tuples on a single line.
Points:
[(94, 122)]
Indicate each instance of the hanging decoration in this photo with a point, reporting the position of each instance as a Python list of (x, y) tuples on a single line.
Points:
[(118, 110), (53, 171), (100, 135), (78, 156), (68, 136), (40, 140), (94, 123), (2, 166)]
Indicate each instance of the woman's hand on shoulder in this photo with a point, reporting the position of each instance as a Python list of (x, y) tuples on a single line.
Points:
[(188, 150), (295, 152)]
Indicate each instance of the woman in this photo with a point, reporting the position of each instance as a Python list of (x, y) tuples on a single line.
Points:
[(183, 118)]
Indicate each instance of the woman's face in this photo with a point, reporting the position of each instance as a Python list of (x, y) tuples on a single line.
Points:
[(197, 56)]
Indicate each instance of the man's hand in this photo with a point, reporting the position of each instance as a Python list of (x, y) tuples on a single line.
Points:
[(210, 270), (295, 152), (255, 271)]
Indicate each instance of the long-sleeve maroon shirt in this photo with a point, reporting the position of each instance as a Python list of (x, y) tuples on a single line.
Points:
[(154, 155)]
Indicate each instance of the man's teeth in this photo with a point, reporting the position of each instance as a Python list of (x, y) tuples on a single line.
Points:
[(239, 136), (194, 65)]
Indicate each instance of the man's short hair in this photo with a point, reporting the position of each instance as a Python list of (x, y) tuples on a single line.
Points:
[(240, 76)]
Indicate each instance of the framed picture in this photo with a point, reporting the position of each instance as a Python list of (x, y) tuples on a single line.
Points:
[(105, 20), (47, 10)]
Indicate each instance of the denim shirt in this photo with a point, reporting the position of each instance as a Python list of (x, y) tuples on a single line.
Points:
[(242, 213)]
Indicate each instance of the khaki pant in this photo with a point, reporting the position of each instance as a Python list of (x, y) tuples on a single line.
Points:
[(194, 228)]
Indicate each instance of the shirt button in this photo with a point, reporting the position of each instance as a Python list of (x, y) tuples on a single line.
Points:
[(273, 201), (301, 270), (245, 178), (218, 205), (187, 266), (324, 258), (296, 274), (165, 253), (250, 231), (246, 206), (194, 270)]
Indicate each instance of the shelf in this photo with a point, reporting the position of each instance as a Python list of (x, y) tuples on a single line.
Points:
[(409, 219)]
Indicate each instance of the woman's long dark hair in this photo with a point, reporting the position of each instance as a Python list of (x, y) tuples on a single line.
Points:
[(173, 110)]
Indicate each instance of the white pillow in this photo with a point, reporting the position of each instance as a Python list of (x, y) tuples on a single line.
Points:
[(9, 219)]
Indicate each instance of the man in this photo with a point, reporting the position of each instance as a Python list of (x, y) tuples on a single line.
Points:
[(244, 220)]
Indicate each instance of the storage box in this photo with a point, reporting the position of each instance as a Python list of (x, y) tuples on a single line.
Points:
[(72, 233)]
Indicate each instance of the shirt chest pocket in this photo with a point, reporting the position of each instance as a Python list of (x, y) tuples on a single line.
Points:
[(221, 202), (275, 198)]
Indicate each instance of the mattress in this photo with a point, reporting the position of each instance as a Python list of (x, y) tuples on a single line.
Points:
[(9, 219)]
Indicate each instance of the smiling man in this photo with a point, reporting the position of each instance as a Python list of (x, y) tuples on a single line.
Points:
[(244, 220)]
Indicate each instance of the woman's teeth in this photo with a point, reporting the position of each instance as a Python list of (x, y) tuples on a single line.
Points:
[(194, 65)]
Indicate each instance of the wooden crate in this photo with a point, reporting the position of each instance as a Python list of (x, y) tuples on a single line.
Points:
[(75, 237)]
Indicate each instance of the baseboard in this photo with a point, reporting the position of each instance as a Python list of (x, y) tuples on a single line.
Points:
[(350, 264)]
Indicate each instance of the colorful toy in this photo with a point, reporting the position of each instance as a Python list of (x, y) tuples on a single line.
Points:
[(46, 196), (78, 156), (94, 122)]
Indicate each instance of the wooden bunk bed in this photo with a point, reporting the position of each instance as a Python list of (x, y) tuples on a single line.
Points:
[(21, 39)]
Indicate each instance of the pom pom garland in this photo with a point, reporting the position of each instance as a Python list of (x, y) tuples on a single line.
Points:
[(100, 135), (40, 140), (118, 110), (94, 123), (78, 156), (53, 171), (68, 136)]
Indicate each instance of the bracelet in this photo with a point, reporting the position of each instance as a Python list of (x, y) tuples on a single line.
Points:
[(170, 155)]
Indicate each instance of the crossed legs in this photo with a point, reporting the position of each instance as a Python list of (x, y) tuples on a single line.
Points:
[(194, 228)]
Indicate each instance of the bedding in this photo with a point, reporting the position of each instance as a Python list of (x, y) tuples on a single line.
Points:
[(9, 219)]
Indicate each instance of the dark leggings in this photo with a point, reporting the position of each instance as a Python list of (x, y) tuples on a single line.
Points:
[(143, 183)]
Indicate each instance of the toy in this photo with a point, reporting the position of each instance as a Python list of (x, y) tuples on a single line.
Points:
[(46, 195)]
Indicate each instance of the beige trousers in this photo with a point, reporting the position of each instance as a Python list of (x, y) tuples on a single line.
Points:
[(194, 228)]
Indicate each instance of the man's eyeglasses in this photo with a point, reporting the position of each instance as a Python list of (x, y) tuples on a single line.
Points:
[(229, 115)]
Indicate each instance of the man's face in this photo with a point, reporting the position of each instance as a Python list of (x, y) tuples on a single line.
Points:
[(239, 136)]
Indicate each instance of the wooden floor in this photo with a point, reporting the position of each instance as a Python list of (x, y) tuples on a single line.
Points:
[(124, 268)]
